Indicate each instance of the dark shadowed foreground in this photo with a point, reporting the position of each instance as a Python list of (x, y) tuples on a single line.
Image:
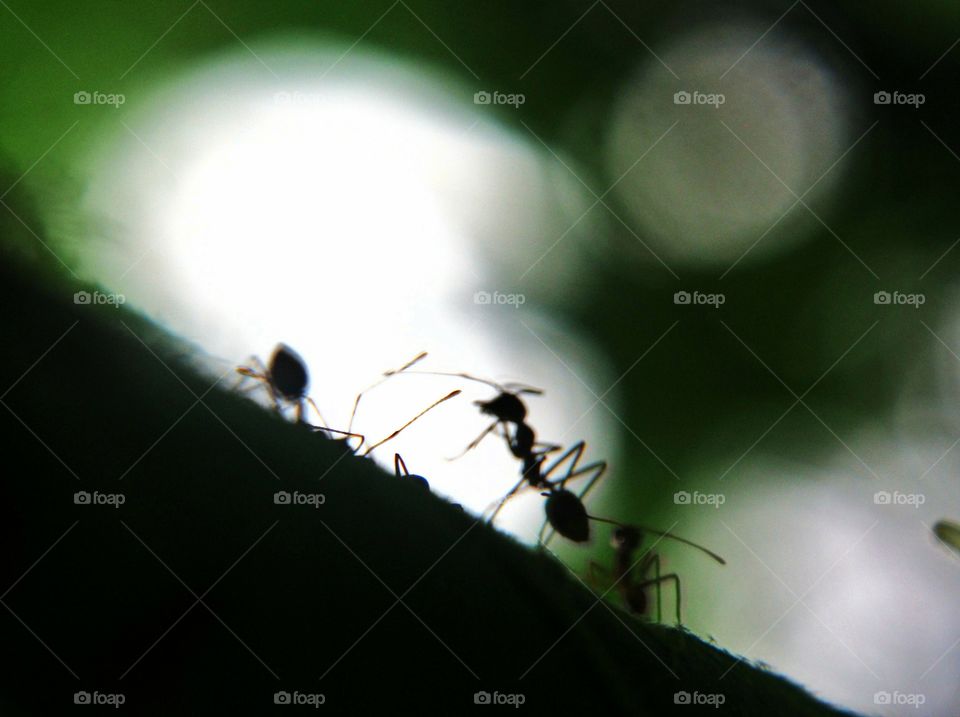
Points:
[(146, 560)]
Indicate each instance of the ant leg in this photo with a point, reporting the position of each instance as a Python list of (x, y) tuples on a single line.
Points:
[(551, 536), (323, 421), (598, 468), (398, 464), (576, 450), (346, 434), (654, 560), (593, 568), (476, 441), (543, 528), (261, 374), (412, 420), (256, 370), (508, 496), (544, 449), (324, 427), (662, 579)]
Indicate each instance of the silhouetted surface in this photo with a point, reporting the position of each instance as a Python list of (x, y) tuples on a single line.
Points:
[(290, 592)]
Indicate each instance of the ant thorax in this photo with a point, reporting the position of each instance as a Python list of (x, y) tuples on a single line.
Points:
[(533, 470), (521, 443)]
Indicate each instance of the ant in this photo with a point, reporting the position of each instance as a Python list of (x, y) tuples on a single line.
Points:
[(632, 577), (409, 478), (565, 511), (287, 379)]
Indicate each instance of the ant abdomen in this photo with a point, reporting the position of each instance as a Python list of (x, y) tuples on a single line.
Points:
[(288, 373), (567, 515)]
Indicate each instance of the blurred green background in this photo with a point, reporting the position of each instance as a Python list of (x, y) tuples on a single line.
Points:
[(710, 401)]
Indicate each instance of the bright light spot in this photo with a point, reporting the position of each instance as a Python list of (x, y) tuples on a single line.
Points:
[(733, 166), (340, 216)]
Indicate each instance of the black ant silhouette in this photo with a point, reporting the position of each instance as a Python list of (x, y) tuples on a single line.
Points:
[(632, 577), (565, 512), (409, 478), (287, 379)]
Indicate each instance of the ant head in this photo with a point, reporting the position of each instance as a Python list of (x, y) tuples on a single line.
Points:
[(625, 537), (409, 478), (288, 373), (416, 481), (567, 516), (504, 407)]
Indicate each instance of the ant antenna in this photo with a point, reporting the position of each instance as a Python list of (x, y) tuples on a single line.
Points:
[(663, 534), (405, 425), (518, 387), (387, 374)]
